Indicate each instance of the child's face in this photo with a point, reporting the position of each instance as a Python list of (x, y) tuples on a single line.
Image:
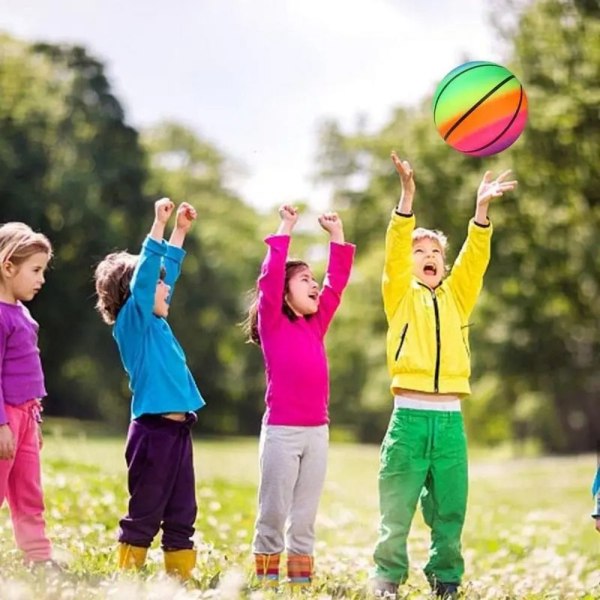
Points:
[(24, 281), (428, 262), (161, 306), (303, 292)]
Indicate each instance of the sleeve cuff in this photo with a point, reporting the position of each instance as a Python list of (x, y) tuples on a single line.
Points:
[(175, 253), (151, 245), (278, 241)]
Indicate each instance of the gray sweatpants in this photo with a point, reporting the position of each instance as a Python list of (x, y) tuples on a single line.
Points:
[(293, 462)]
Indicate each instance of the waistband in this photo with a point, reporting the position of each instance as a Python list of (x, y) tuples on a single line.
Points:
[(33, 407), (159, 421), (412, 403)]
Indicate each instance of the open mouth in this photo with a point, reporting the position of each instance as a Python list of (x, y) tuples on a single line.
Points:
[(314, 296), (430, 269)]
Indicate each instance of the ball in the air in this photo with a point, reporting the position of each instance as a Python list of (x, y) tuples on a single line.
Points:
[(480, 108)]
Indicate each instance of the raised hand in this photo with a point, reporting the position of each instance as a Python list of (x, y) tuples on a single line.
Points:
[(333, 225), (186, 215), (288, 213), (407, 179), (163, 209), (406, 174), (493, 188), (289, 217)]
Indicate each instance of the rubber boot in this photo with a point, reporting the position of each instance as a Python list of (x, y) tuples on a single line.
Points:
[(180, 563), (299, 570), (267, 569), (131, 557)]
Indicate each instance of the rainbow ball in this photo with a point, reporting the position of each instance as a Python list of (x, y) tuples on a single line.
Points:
[(480, 108)]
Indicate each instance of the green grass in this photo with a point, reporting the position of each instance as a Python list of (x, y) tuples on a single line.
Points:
[(528, 532)]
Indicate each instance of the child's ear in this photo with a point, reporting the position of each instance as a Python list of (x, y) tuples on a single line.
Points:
[(8, 269)]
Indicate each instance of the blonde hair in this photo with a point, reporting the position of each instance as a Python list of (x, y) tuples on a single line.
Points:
[(18, 242), (431, 234)]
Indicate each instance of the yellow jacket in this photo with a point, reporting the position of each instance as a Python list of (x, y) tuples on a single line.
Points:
[(428, 331)]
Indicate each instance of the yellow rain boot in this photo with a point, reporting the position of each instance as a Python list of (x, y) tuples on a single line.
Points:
[(267, 569), (131, 557), (180, 563)]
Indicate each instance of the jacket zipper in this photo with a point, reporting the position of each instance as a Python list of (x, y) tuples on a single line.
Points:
[(402, 336), (438, 342)]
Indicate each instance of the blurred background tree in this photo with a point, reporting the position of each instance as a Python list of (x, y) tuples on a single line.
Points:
[(71, 166)]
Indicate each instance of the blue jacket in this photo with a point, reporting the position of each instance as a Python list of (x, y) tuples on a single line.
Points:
[(159, 377)]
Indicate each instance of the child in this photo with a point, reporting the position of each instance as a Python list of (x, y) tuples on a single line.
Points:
[(289, 320), (424, 452), (24, 256), (133, 295)]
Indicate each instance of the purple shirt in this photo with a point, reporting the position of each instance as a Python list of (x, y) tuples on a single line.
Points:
[(294, 351), (21, 375)]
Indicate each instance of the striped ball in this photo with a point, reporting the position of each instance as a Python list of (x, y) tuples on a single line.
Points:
[(480, 108)]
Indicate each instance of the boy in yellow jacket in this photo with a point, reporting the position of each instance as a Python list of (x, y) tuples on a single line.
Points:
[(424, 453)]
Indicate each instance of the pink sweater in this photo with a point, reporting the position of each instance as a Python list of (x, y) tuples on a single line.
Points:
[(296, 367)]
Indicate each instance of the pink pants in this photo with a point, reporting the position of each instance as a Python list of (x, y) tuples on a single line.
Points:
[(21, 485)]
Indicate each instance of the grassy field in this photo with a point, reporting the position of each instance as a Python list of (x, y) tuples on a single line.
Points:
[(528, 532)]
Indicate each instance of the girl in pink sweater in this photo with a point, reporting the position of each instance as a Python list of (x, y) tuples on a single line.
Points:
[(289, 320)]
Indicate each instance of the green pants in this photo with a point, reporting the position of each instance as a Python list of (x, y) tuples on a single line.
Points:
[(423, 455)]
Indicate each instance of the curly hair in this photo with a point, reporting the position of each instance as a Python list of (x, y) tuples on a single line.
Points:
[(113, 276)]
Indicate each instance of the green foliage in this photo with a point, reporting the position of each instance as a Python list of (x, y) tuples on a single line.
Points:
[(70, 167)]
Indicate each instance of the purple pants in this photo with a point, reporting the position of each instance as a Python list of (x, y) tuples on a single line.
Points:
[(161, 483)]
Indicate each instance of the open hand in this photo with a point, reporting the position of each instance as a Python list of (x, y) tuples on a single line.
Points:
[(406, 174), (493, 188)]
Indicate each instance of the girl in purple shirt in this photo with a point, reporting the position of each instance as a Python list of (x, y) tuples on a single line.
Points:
[(288, 320), (24, 256)]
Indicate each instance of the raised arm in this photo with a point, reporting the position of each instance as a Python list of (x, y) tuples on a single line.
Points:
[(147, 270), (466, 278), (186, 215), (271, 282), (341, 256), (398, 263)]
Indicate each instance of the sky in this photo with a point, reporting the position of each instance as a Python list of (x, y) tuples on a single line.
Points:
[(257, 77)]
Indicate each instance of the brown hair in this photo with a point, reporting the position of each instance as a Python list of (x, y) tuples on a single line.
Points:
[(113, 276), (250, 324), (18, 242)]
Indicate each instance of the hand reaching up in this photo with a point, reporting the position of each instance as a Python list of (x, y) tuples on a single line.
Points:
[(163, 209), (407, 179), (289, 218), (186, 215), (333, 225)]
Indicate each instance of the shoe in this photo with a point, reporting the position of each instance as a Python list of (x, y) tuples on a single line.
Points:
[(47, 567), (447, 591), (380, 588)]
